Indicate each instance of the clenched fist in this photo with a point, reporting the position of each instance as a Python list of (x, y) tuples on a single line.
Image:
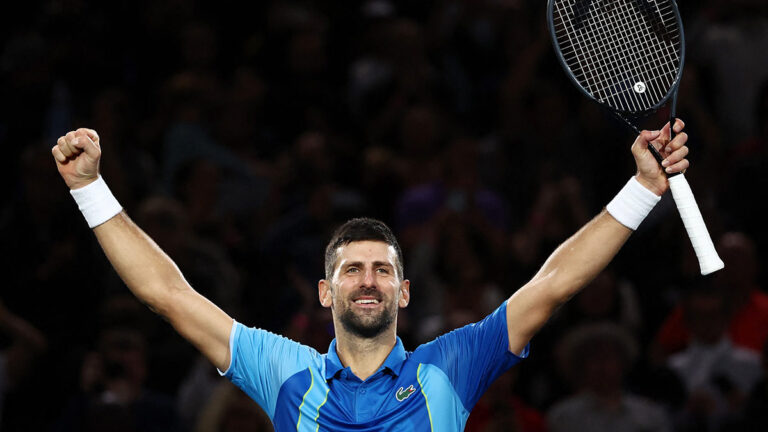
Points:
[(77, 157)]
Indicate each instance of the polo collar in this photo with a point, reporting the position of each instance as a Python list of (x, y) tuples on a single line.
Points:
[(393, 362)]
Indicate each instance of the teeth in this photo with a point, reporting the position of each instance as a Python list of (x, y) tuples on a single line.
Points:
[(367, 301)]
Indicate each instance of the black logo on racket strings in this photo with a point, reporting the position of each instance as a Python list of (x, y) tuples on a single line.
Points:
[(649, 10), (582, 10)]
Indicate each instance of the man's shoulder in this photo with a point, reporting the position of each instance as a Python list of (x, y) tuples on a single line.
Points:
[(481, 338), (267, 342)]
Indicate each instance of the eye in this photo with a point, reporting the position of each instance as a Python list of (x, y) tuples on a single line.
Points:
[(352, 270), (383, 270)]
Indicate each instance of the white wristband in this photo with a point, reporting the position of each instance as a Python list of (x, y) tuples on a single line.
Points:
[(96, 202), (632, 204)]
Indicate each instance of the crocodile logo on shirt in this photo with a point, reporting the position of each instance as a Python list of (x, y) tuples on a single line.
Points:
[(402, 394)]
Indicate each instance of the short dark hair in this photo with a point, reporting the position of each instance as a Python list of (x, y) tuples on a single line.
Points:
[(361, 229)]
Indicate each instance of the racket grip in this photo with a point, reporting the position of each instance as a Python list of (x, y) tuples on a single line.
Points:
[(709, 261)]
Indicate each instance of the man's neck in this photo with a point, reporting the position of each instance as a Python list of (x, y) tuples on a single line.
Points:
[(364, 356)]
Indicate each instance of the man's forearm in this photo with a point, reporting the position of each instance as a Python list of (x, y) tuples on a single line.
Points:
[(585, 254), (147, 271), (577, 261), (571, 266)]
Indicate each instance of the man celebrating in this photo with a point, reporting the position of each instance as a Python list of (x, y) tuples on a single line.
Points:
[(367, 381)]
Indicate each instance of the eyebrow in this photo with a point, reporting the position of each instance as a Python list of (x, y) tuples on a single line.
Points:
[(362, 264)]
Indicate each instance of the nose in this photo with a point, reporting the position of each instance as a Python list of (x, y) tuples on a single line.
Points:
[(369, 278)]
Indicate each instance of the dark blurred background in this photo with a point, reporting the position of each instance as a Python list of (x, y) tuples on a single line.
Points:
[(240, 135)]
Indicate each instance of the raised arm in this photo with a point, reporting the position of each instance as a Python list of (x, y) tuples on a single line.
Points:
[(147, 271), (580, 258)]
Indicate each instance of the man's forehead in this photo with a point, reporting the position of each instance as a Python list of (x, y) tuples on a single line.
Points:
[(367, 250)]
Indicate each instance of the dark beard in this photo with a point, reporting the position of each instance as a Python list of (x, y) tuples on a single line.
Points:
[(366, 328)]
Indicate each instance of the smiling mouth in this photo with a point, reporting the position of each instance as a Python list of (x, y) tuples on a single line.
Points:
[(366, 301)]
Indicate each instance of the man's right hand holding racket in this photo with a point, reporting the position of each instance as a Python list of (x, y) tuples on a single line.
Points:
[(649, 173), (147, 271)]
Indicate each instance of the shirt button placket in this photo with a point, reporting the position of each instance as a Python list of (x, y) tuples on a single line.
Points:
[(362, 413)]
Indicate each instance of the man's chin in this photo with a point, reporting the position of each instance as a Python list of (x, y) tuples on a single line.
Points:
[(365, 326)]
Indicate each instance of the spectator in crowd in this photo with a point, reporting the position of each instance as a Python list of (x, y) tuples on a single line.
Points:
[(755, 414), (731, 38), (18, 359), (114, 394), (501, 410), (746, 303), (230, 410), (717, 375), (597, 358)]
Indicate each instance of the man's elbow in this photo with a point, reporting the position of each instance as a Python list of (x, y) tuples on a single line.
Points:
[(557, 287), (166, 298)]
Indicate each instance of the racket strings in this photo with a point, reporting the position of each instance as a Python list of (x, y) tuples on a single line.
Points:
[(601, 39), (636, 65), (606, 41), (624, 54), (648, 65), (652, 41), (617, 31)]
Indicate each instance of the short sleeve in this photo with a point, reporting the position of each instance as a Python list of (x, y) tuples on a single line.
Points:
[(260, 362), (473, 356)]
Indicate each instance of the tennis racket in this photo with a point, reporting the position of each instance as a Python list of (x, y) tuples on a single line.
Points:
[(628, 55)]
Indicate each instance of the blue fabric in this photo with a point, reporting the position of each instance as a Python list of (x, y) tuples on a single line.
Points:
[(430, 389)]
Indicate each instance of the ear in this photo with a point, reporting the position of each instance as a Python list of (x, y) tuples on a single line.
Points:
[(324, 293), (405, 293)]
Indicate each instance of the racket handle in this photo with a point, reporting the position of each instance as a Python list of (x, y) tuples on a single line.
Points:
[(709, 261)]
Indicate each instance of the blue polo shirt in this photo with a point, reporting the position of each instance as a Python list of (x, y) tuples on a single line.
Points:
[(430, 389)]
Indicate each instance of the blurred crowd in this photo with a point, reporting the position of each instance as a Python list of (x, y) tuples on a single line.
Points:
[(239, 135)]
